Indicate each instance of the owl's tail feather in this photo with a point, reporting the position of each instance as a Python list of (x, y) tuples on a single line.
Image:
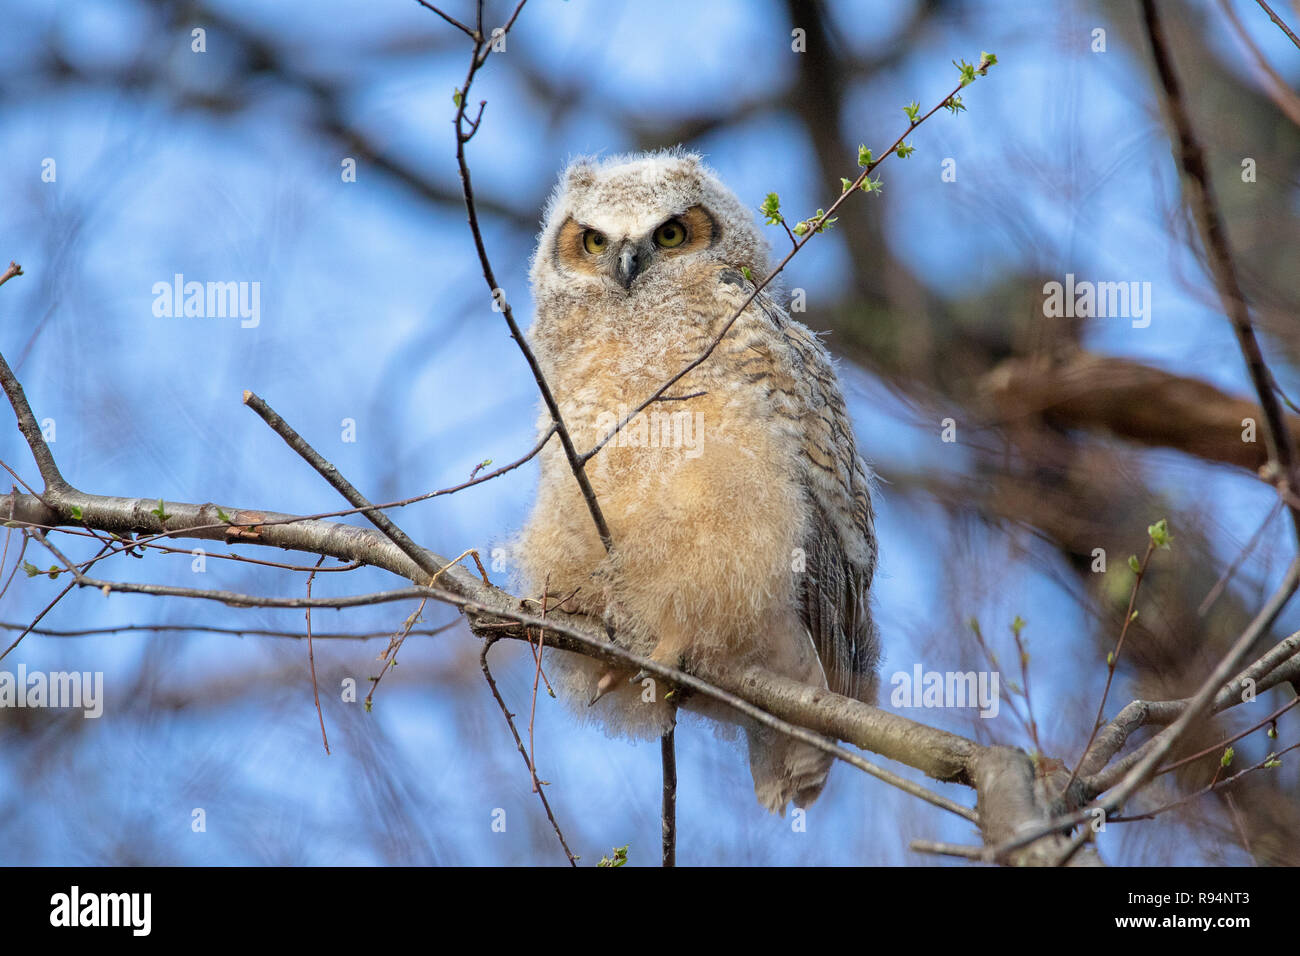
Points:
[(785, 770)]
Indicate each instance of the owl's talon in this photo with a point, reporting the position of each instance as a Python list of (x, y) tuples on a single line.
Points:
[(604, 686)]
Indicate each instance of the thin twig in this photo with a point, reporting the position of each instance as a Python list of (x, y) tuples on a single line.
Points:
[(1238, 823), (27, 424), (331, 474), (814, 227), (532, 771), (1216, 785), (668, 760), (242, 600), (449, 18), (1112, 662), (1277, 437), (18, 563), (482, 49), (389, 655), (127, 545), (1003, 691), (1024, 680), (1165, 741), (1280, 25), (231, 631), (977, 853), (537, 674), (1282, 95), (311, 660), (1222, 583), (57, 598), (1214, 748)]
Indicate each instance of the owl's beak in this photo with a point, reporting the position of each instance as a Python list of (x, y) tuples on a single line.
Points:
[(631, 261)]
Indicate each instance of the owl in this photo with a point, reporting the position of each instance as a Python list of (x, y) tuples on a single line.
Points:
[(738, 507)]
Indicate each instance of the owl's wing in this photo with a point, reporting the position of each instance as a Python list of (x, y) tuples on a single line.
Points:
[(840, 548)]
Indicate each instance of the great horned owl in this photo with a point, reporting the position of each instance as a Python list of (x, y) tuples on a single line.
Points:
[(739, 509)]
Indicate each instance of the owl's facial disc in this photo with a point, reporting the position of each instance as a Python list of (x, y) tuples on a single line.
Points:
[(622, 258)]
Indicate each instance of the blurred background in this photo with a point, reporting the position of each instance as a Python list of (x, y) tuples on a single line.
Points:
[(1072, 434)]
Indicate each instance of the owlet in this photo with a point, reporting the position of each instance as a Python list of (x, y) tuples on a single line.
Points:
[(739, 510)]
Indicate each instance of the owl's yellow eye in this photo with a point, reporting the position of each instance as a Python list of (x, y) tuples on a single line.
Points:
[(594, 242), (672, 233)]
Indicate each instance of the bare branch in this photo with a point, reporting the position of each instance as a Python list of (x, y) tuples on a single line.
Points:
[(1280, 665), (450, 19), (1136, 402), (343, 486), (1112, 660), (27, 424), (975, 853), (478, 57), (311, 660), (1280, 25), (1164, 742), (210, 629), (1276, 88), (942, 755), (1220, 745), (668, 815), (1277, 437), (532, 771), (1211, 788)]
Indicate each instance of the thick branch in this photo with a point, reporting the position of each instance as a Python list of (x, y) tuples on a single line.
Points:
[(1280, 665), (1132, 401), (761, 695)]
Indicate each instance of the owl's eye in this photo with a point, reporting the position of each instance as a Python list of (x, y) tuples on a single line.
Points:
[(594, 242), (672, 233)]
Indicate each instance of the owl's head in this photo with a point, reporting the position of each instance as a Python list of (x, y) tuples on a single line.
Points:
[(626, 223)]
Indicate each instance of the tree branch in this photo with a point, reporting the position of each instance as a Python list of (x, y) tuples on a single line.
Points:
[(1130, 400), (1200, 195)]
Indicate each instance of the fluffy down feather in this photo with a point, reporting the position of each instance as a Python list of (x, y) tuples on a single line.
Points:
[(741, 515)]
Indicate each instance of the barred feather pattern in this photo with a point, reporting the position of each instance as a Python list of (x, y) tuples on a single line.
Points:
[(840, 546)]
